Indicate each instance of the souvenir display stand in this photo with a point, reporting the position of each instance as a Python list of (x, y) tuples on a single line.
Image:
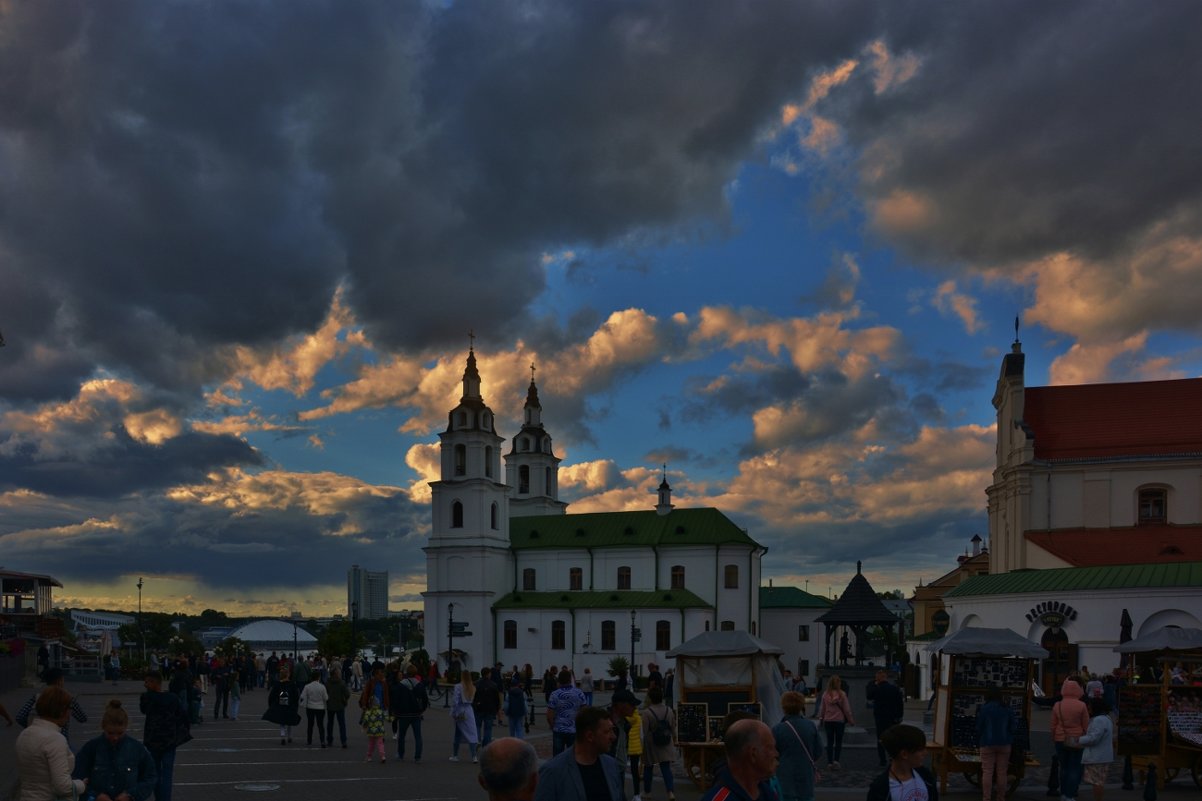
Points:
[(716, 673), (1160, 722), (970, 662)]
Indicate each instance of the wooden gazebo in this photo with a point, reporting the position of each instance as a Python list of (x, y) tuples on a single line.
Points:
[(857, 609)]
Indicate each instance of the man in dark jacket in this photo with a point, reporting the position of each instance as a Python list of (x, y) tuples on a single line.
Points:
[(907, 749), (888, 709), (486, 705), (166, 729)]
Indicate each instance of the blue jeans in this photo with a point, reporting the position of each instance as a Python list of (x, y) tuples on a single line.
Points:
[(665, 770), (486, 728), (561, 740), (165, 766), (403, 724), (1070, 770), (330, 715), (516, 728)]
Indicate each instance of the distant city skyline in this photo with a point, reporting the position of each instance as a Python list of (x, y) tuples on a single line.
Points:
[(777, 249)]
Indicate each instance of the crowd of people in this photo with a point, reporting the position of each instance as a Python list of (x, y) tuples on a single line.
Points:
[(593, 748)]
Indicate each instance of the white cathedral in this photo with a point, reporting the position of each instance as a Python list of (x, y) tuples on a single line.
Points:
[(536, 585)]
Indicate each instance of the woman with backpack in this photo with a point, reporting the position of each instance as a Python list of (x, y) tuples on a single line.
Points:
[(659, 723)]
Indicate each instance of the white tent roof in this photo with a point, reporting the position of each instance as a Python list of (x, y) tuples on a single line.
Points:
[(1169, 638), (273, 634), (724, 643), (988, 642)]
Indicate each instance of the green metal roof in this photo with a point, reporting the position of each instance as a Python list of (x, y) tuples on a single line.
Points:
[(1110, 577), (791, 598), (626, 529), (618, 600)]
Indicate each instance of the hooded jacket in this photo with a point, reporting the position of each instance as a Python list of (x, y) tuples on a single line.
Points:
[(1070, 716)]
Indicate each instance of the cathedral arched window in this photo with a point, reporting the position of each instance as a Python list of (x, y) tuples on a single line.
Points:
[(460, 460), (677, 577), (728, 625), (511, 634), (663, 635), (732, 577), (456, 515), (528, 575), (546, 444), (488, 460), (623, 578), (493, 516), (524, 479), (1153, 505), (609, 635), (575, 579), (523, 444), (462, 419), (548, 488), (558, 635)]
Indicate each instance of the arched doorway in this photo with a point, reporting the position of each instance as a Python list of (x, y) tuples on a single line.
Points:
[(1061, 659)]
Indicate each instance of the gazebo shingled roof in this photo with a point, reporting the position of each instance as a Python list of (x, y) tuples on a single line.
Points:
[(858, 605)]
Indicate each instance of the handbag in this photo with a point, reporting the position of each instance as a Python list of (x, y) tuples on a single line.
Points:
[(805, 748)]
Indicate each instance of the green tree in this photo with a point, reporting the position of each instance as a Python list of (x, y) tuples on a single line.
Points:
[(335, 639)]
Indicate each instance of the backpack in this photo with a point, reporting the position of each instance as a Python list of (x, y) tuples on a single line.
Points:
[(517, 703), (409, 698), (661, 734)]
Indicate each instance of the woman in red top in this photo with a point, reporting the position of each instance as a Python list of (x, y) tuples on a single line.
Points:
[(1070, 719), (835, 716)]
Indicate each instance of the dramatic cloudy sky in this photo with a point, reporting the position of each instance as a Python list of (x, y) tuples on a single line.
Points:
[(778, 246)]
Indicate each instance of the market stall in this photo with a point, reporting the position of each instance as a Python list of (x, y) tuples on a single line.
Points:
[(1160, 708), (716, 673), (971, 661)]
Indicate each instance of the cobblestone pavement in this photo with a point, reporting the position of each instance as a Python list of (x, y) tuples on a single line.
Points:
[(243, 759)]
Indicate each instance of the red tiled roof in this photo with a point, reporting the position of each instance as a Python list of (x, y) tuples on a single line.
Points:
[(1090, 421), (1135, 545)]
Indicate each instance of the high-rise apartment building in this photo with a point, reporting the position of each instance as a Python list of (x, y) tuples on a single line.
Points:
[(369, 589)]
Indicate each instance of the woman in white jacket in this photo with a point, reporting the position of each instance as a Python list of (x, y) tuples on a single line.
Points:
[(313, 698), (1099, 746), (44, 761)]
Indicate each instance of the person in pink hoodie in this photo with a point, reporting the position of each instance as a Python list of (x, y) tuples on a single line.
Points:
[(1070, 720)]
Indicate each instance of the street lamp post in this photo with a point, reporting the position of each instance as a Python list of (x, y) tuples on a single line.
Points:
[(354, 619), (633, 634), (141, 632), (446, 696)]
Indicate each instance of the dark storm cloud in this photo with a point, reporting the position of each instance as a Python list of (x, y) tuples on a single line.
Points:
[(254, 548), (741, 394), (834, 548), (1036, 127), (183, 176), (121, 464)]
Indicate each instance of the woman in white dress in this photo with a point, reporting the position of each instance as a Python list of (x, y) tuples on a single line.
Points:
[(461, 712)]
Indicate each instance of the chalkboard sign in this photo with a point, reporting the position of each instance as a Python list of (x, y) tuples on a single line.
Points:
[(717, 726), (965, 706), (990, 671), (746, 706), (1139, 721), (690, 723)]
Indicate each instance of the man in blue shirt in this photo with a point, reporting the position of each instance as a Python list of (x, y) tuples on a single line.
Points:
[(562, 707)]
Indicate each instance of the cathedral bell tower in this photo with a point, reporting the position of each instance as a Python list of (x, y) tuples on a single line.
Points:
[(468, 561), (531, 467)]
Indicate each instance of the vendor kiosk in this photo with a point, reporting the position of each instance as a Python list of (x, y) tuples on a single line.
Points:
[(1160, 719), (716, 673), (971, 661)]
